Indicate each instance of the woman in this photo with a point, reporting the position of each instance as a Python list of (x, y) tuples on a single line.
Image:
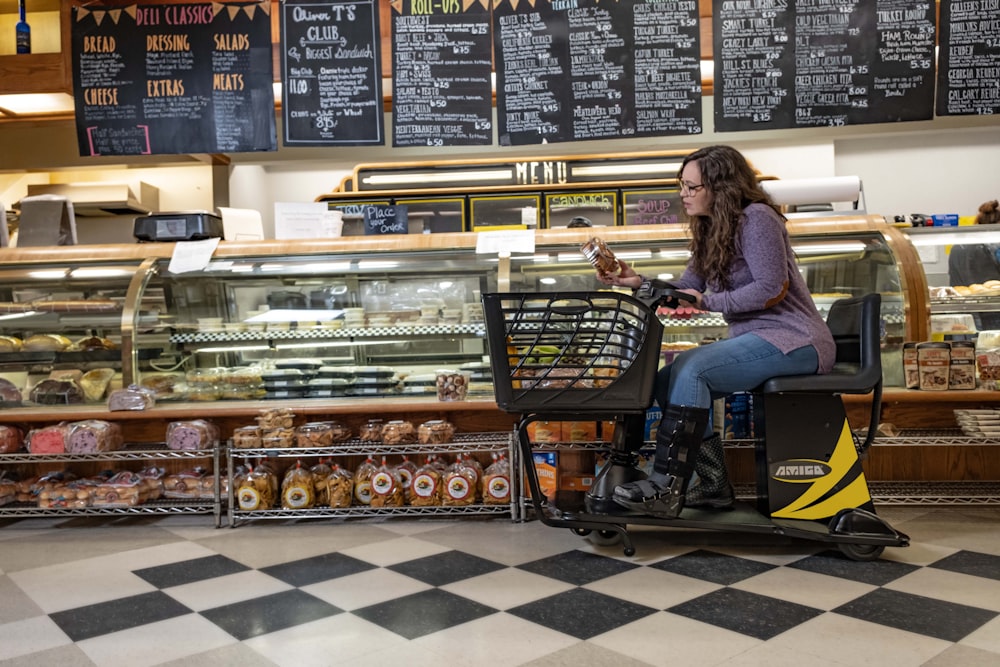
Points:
[(741, 266)]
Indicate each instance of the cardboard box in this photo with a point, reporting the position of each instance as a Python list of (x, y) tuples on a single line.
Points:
[(546, 467), (545, 432), (575, 481)]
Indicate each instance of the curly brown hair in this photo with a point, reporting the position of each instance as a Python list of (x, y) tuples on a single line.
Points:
[(732, 182)]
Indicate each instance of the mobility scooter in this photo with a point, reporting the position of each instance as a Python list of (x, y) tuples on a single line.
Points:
[(593, 356)]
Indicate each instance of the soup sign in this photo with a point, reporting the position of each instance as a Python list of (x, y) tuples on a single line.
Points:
[(386, 220)]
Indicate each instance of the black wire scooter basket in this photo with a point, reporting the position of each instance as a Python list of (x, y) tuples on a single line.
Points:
[(568, 352)]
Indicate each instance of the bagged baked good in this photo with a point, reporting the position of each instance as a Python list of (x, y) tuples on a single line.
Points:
[(256, 492), (165, 386), (56, 392), (297, 490), (152, 480), (47, 439), (191, 434), (94, 383), (496, 482), (600, 255), (340, 487), (46, 343), (186, 484), (11, 439), (71, 495), (8, 489), (459, 485), (406, 469), (387, 487), (425, 489), (93, 435), (363, 482), (435, 432), (10, 395), (320, 471), (124, 489), (132, 397)]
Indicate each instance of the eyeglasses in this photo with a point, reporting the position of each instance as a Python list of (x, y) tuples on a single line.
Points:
[(690, 188)]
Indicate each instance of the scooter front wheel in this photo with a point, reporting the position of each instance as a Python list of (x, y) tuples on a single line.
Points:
[(861, 552), (605, 538)]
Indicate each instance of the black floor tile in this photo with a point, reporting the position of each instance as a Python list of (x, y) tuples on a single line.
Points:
[(715, 567), (446, 568), (582, 613), (423, 613), (915, 613), (260, 616), (750, 614), (121, 614), (577, 567), (189, 571), (971, 562), (318, 568), (835, 564)]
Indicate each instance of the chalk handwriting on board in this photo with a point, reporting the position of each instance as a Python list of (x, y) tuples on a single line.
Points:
[(386, 220)]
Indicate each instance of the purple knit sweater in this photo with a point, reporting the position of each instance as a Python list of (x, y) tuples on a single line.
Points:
[(761, 267)]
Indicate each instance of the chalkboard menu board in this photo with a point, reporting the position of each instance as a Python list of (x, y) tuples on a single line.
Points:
[(441, 73), (180, 78), (574, 70), (805, 63), (331, 73), (652, 207), (969, 58)]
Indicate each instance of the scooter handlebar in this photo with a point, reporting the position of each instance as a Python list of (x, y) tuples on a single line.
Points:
[(659, 293)]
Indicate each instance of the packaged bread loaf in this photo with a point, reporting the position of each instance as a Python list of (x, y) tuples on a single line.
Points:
[(124, 489), (93, 435), (47, 439), (187, 484), (297, 489), (152, 479), (72, 495), (11, 439), (387, 487), (191, 434), (132, 397)]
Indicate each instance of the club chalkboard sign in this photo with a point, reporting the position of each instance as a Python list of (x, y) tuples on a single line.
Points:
[(582, 70), (178, 78), (968, 80), (812, 63), (441, 73), (381, 220), (331, 69)]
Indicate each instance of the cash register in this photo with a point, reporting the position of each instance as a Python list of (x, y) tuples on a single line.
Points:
[(178, 226)]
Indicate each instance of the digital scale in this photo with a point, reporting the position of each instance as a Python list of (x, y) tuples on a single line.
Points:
[(178, 226)]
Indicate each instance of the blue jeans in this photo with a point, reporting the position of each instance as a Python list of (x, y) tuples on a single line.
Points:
[(700, 375)]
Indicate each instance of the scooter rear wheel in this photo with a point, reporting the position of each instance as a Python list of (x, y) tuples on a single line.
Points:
[(861, 552), (605, 538)]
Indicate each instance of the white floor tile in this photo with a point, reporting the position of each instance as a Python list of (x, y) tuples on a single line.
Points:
[(158, 642), (585, 654), (30, 635), (987, 638), (507, 588), (219, 591), (951, 586), (855, 642), (335, 640), (394, 550), (498, 640), (653, 588), (58, 587), (365, 588), (819, 591), (670, 640), (775, 656)]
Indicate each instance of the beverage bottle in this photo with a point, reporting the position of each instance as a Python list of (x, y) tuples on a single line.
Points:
[(23, 31)]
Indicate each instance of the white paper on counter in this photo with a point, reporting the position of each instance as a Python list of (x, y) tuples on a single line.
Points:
[(798, 191), (192, 255), (505, 240), (309, 220), (241, 224)]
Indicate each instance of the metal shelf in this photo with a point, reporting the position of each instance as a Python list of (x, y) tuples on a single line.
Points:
[(463, 442), (363, 511), (131, 452), (162, 506)]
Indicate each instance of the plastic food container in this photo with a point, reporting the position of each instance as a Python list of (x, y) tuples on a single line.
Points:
[(452, 385)]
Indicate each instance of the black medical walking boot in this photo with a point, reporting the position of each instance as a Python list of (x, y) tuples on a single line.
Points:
[(678, 440), (621, 466), (710, 486)]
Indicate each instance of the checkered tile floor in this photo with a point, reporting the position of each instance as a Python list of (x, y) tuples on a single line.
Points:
[(175, 591)]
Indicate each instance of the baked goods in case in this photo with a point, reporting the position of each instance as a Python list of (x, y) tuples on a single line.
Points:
[(10, 344), (9, 393), (95, 382), (46, 343), (93, 435), (94, 343), (47, 439), (165, 386), (56, 392), (191, 434), (132, 397)]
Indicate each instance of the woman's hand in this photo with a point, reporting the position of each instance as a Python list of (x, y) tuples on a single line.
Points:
[(626, 276)]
